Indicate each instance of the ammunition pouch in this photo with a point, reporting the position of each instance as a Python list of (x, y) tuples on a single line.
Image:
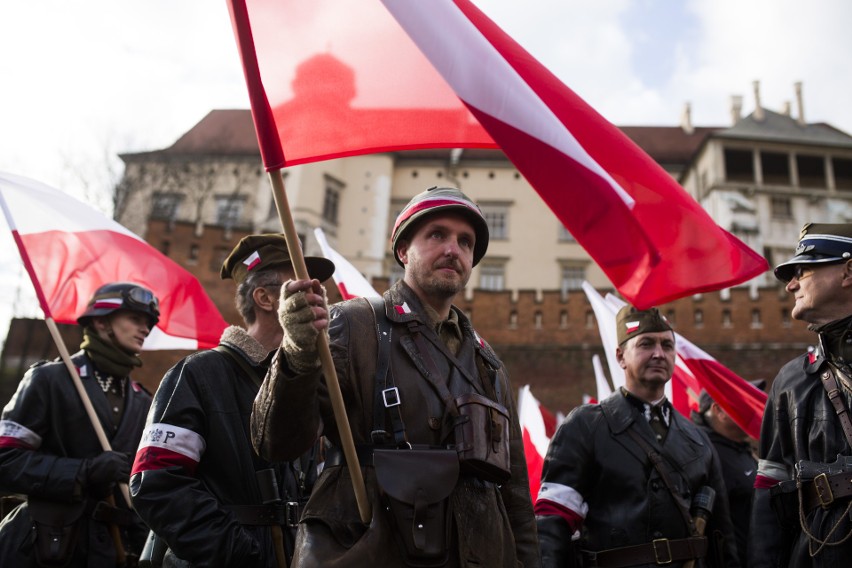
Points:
[(415, 486), (56, 527), (784, 500), (482, 438)]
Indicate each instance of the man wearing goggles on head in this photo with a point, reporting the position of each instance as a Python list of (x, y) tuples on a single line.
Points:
[(50, 452)]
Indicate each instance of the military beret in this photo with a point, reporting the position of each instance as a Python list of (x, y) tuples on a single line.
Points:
[(631, 322), (819, 243), (261, 252)]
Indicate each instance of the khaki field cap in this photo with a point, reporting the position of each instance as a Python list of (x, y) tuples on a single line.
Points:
[(438, 200), (819, 243), (259, 252), (631, 322)]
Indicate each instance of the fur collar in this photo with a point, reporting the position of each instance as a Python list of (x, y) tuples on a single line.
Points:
[(238, 338)]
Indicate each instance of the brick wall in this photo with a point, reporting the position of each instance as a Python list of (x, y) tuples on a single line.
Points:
[(545, 339)]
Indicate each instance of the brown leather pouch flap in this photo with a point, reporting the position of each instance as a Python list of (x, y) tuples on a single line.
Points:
[(406, 475)]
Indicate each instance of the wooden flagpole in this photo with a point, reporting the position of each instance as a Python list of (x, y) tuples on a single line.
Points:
[(121, 556), (297, 257)]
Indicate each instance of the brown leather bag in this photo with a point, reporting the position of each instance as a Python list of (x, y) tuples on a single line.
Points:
[(482, 438), (416, 485)]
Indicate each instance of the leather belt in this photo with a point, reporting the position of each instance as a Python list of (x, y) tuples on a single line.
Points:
[(285, 514), (824, 489), (334, 456), (661, 552)]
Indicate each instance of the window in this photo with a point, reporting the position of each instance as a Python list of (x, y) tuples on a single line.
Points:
[(513, 320), (572, 276), (537, 320), (492, 277), (164, 206), (497, 218), (726, 318), (739, 165), (842, 173), (565, 236), (331, 200), (563, 319), (670, 316), (756, 322), (698, 318), (218, 258), (193, 254), (229, 209), (781, 207), (165, 247), (811, 171), (775, 167)]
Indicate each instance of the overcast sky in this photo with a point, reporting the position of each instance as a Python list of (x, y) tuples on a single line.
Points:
[(83, 81)]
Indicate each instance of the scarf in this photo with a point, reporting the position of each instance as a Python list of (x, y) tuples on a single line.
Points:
[(107, 356)]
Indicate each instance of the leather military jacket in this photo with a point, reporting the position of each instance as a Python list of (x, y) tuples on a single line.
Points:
[(799, 423), (495, 526), (597, 471), (195, 464), (45, 434)]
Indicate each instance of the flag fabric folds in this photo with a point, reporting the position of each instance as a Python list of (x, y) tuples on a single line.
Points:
[(349, 280), (695, 370), (538, 425), (321, 88), (69, 250)]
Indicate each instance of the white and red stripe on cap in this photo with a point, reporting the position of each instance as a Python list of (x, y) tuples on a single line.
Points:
[(108, 303), (432, 203), (631, 326)]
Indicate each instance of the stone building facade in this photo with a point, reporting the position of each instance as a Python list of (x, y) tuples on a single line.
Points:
[(761, 178)]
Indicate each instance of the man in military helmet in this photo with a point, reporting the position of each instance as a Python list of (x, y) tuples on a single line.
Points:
[(803, 493), (49, 450), (419, 385), (623, 481), (196, 480)]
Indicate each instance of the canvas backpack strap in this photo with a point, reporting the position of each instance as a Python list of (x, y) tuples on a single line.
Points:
[(385, 394)]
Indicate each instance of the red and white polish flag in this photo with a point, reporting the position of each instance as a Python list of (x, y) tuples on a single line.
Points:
[(322, 88), (349, 280), (538, 425), (69, 250)]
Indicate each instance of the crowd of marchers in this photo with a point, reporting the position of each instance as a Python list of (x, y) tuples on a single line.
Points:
[(240, 458)]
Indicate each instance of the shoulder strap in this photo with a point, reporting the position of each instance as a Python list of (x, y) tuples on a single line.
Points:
[(385, 394), (433, 375), (835, 395), (657, 461), (250, 372)]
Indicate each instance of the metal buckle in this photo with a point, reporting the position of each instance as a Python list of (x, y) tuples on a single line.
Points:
[(823, 490), (391, 397), (662, 562), (291, 512)]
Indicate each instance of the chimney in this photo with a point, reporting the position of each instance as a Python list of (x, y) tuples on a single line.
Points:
[(686, 119), (736, 108), (786, 109), (758, 115), (800, 104)]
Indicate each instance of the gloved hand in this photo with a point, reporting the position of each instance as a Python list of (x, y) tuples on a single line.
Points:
[(297, 314), (106, 468)]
